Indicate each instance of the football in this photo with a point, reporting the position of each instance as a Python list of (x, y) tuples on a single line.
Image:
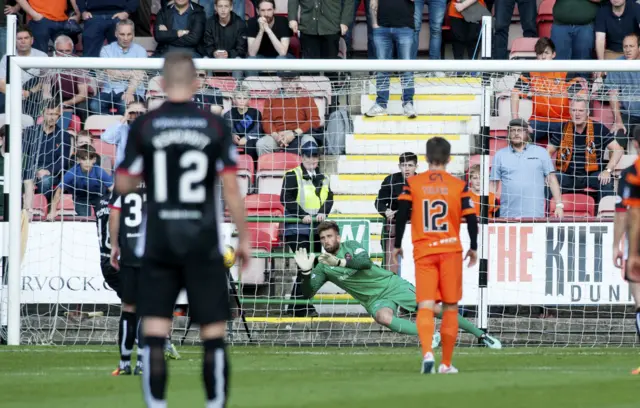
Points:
[(229, 256)]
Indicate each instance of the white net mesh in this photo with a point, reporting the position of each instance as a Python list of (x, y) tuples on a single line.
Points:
[(551, 281)]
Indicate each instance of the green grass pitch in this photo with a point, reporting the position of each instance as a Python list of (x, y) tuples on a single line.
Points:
[(79, 377)]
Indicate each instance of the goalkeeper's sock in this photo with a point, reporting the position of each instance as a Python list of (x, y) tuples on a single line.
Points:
[(426, 327), (215, 372), (403, 326), (126, 337), (154, 375), (449, 333), (638, 321), (466, 326)]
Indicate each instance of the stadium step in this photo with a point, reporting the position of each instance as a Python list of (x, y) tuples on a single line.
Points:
[(390, 143), (354, 203), (429, 104), (434, 86), (387, 164), (421, 125)]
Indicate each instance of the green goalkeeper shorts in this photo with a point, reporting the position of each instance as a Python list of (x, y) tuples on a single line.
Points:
[(399, 293)]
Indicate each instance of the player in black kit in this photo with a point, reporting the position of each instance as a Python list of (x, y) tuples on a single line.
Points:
[(179, 151)]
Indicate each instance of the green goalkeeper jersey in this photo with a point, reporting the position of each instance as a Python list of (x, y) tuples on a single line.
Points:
[(361, 278)]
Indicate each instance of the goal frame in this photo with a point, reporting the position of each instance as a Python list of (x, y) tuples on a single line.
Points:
[(13, 157)]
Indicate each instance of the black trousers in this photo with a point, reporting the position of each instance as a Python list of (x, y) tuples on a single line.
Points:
[(465, 38), (295, 242), (321, 47), (142, 19)]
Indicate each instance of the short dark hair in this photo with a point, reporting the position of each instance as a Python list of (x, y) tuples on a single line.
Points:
[(328, 225), (408, 157), (542, 44), (178, 69), (52, 103), (438, 151), (24, 29), (86, 152), (273, 3)]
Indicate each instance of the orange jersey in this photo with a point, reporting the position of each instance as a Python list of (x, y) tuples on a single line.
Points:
[(549, 94), (439, 201), (631, 185), (493, 204)]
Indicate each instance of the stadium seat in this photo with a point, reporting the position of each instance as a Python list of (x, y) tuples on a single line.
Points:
[(262, 86), (264, 204), (96, 124), (523, 48), (607, 206), (66, 206), (545, 18), (257, 103), (40, 205), (105, 149), (576, 205), (26, 120), (318, 86), (245, 173), (258, 268), (282, 7), (249, 10), (271, 169), (225, 84)]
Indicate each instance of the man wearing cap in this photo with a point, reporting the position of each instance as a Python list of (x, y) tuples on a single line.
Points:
[(387, 202), (579, 151), (305, 195), (524, 169)]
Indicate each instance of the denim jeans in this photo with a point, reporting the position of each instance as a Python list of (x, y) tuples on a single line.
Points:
[(573, 41), (96, 29), (504, 13), (3, 40), (437, 9), (544, 130), (209, 7), (348, 38), (45, 185), (386, 39), (43, 31)]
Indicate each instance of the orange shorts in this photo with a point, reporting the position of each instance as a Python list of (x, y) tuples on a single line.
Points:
[(439, 277)]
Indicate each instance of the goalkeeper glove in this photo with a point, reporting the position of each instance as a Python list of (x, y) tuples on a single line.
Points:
[(331, 260), (304, 261)]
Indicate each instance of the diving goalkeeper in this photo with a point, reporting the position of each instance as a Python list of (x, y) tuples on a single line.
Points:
[(381, 292)]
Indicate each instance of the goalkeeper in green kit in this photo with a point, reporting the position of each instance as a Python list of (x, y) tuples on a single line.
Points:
[(381, 292)]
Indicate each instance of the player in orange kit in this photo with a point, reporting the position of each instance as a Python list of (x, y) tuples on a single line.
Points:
[(437, 202)]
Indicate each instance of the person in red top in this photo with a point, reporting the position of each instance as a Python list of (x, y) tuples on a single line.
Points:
[(549, 92), (288, 119), (437, 202), (465, 34)]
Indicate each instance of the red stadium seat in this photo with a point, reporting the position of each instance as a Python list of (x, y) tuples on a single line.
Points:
[(245, 173), (96, 124), (105, 149), (576, 205), (66, 206), (264, 204), (523, 48), (545, 18), (607, 206), (249, 10), (40, 205), (271, 169), (257, 103), (225, 84)]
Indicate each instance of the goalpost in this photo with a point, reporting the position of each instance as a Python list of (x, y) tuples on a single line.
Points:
[(459, 107)]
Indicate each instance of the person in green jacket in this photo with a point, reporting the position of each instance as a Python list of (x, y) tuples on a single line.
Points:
[(348, 265)]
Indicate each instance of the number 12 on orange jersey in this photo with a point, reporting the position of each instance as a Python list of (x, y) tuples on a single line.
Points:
[(435, 215)]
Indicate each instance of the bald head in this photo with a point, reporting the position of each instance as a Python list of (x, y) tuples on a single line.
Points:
[(179, 72)]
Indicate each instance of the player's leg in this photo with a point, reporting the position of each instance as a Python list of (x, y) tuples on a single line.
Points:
[(208, 293), (635, 292), (468, 327), (450, 285), (128, 324), (161, 284), (426, 290)]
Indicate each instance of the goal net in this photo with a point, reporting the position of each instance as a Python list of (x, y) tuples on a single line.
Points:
[(550, 280)]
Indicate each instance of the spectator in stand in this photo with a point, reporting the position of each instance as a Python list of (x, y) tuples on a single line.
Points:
[(209, 7), (321, 25), (118, 133), (245, 122), (305, 195), (9, 7), (475, 189), (31, 84), (179, 26), (288, 119), (70, 86), (572, 29), (614, 22), (142, 18), (504, 9), (48, 19), (371, 48), (87, 181), (393, 31), (83, 139), (580, 150), (465, 34), (622, 90), (208, 97), (387, 203), (268, 35), (47, 150), (120, 87), (523, 170), (100, 18), (437, 10), (225, 35), (549, 91)]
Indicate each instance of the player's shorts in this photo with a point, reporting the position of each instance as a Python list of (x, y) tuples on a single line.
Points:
[(111, 275), (399, 293), (206, 283), (439, 277), (129, 278)]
